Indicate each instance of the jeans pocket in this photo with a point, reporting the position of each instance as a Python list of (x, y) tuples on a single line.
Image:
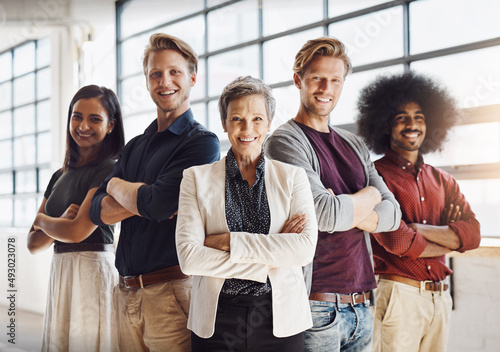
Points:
[(323, 317)]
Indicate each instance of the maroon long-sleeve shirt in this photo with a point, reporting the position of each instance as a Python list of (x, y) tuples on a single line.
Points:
[(423, 193)]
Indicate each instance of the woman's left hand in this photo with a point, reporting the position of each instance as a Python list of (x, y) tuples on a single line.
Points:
[(295, 224), (220, 241)]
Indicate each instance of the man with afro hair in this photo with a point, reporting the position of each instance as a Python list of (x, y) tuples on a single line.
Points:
[(405, 116)]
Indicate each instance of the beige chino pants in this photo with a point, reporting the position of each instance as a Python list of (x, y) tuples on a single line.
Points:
[(409, 320), (154, 318)]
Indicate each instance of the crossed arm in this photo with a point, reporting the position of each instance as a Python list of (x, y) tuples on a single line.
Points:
[(115, 199), (121, 201), (223, 241), (440, 239), (364, 202), (239, 254), (372, 208), (416, 240), (72, 226)]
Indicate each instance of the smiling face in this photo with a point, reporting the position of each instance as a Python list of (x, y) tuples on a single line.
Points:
[(169, 82), (246, 125), (408, 131), (89, 124), (320, 86)]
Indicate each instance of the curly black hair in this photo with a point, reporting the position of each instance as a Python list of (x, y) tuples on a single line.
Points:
[(378, 102)]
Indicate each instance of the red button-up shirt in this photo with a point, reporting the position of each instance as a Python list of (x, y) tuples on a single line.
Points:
[(423, 193)]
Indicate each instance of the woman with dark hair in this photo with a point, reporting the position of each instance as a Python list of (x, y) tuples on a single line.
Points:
[(78, 314)]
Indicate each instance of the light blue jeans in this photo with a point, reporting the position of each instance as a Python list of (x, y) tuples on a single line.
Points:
[(340, 327)]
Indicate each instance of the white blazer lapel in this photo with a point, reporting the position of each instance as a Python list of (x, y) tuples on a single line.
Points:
[(277, 196), (213, 204)]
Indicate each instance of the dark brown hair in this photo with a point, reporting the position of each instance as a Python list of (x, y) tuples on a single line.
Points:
[(113, 143)]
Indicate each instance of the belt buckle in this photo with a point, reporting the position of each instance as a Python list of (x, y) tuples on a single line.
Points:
[(125, 278), (123, 282), (354, 296), (422, 285)]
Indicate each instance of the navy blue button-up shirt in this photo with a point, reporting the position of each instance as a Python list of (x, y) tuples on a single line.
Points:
[(147, 242)]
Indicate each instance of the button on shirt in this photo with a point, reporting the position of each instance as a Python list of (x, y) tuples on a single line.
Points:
[(147, 242), (423, 193), (247, 210)]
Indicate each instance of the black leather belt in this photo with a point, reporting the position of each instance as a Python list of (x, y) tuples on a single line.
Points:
[(83, 247)]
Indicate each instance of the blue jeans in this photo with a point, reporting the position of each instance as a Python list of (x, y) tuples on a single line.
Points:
[(340, 327)]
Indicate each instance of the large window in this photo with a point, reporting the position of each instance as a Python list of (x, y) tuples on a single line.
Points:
[(25, 143), (456, 41)]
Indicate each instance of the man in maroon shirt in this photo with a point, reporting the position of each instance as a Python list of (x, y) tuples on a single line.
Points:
[(405, 116)]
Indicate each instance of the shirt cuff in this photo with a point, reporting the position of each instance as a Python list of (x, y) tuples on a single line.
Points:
[(95, 209), (417, 247)]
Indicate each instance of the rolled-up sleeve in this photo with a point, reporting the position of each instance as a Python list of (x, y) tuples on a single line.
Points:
[(159, 201), (467, 227), (404, 242), (100, 194)]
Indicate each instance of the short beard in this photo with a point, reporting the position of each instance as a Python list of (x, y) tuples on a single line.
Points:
[(403, 146)]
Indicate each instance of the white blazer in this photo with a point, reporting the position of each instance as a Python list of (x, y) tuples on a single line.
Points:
[(253, 256)]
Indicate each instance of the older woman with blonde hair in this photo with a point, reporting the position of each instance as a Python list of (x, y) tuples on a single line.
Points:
[(246, 226)]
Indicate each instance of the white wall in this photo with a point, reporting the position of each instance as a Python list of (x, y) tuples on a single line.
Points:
[(475, 319), (68, 23)]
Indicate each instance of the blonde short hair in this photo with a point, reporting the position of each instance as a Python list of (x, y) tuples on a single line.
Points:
[(324, 46), (162, 41)]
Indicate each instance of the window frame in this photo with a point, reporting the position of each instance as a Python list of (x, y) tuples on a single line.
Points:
[(475, 115), (15, 196)]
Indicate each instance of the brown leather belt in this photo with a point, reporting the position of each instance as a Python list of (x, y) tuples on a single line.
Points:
[(155, 277), (423, 285), (353, 298), (83, 247)]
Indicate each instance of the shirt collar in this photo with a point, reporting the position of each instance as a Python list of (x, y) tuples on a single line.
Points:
[(181, 124), (403, 163), (232, 169)]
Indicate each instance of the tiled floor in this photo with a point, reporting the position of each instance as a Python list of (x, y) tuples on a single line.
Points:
[(29, 327)]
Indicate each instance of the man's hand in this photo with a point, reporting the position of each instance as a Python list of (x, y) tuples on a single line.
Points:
[(111, 184), (220, 241), (373, 194), (416, 227), (364, 202), (442, 235), (125, 193), (295, 224), (450, 214)]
